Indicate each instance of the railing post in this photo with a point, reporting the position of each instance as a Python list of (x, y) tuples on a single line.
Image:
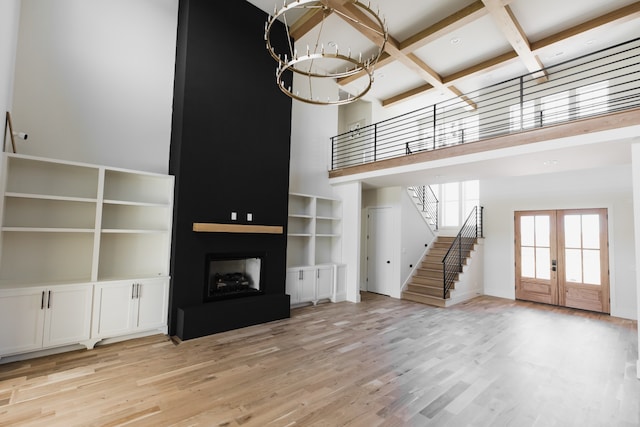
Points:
[(460, 255), (444, 278), (434, 126), (521, 102), (375, 141), (333, 149)]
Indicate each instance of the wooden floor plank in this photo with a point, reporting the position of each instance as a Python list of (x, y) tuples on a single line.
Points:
[(383, 362)]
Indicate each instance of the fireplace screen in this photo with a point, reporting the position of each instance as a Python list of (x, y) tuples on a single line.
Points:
[(230, 276)]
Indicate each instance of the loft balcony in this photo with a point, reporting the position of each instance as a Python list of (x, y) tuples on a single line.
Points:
[(594, 98)]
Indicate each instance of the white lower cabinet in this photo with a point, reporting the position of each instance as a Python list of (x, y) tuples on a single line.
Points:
[(37, 318), (126, 307), (310, 284), (324, 282)]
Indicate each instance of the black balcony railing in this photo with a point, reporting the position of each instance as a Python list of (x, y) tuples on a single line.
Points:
[(600, 83)]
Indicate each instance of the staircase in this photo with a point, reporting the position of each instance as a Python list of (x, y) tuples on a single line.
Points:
[(447, 265), (426, 284)]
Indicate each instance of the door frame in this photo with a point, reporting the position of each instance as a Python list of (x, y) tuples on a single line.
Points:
[(558, 279), (393, 254)]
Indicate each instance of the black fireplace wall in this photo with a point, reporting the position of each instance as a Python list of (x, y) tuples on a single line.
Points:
[(230, 153)]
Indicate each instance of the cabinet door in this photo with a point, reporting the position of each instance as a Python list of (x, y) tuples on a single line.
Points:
[(324, 282), (113, 309), (67, 315), (307, 285), (22, 319), (152, 298), (291, 284)]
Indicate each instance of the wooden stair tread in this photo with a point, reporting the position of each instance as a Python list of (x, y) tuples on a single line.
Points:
[(423, 299)]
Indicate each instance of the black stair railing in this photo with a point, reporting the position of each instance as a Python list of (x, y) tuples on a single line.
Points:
[(427, 202), (460, 248)]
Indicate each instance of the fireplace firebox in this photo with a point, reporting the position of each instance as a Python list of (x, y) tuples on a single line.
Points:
[(232, 275)]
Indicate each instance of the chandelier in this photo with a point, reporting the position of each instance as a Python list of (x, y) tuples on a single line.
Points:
[(317, 67)]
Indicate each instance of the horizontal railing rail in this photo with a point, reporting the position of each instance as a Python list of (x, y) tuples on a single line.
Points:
[(460, 248), (603, 82)]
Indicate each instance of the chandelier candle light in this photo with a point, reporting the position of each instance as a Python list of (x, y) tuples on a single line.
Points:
[(319, 64)]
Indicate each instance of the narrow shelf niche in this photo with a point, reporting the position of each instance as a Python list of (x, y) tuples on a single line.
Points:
[(33, 176), (43, 213), (37, 257)]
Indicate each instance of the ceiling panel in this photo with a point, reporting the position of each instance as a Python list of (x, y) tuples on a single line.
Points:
[(537, 20), (590, 41), (389, 81), (474, 43), (408, 17)]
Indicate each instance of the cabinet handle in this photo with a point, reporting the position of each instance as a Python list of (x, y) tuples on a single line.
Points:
[(317, 274), (133, 291), (300, 275), (42, 301), (49, 300), (138, 290)]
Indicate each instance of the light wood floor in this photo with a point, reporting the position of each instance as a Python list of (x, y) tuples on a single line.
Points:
[(488, 362)]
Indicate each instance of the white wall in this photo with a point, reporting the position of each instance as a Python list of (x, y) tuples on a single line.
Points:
[(94, 80), (635, 161), (9, 18), (596, 188), (312, 127)]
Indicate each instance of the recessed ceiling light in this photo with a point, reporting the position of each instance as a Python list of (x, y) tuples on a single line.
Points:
[(331, 44), (590, 42), (455, 40)]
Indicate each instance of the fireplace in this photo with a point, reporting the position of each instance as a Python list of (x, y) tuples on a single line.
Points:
[(233, 275)]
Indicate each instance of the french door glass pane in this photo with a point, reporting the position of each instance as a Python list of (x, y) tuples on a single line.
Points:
[(572, 231), (573, 265), (591, 232), (591, 259), (543, 270), (528, 262), (527, 231), (542, 231)]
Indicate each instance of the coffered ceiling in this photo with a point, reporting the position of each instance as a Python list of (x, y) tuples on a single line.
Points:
[(443, 48)]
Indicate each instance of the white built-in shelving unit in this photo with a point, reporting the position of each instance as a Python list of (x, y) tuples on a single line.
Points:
[(80, 225), (314, 249)]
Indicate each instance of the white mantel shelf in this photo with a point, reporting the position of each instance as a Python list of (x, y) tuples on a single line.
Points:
[(210, 227)]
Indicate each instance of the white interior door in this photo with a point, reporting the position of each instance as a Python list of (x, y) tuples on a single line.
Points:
[(379, 250)]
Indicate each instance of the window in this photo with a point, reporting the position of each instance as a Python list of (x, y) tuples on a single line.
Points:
[(456, 201), (555, 108), (526, 120), (593, 99)]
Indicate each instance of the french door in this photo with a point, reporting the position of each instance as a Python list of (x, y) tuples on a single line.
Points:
[(562, 258)]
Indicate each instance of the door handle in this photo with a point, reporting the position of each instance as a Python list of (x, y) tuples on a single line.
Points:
[(388, 262), (554, 263)]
